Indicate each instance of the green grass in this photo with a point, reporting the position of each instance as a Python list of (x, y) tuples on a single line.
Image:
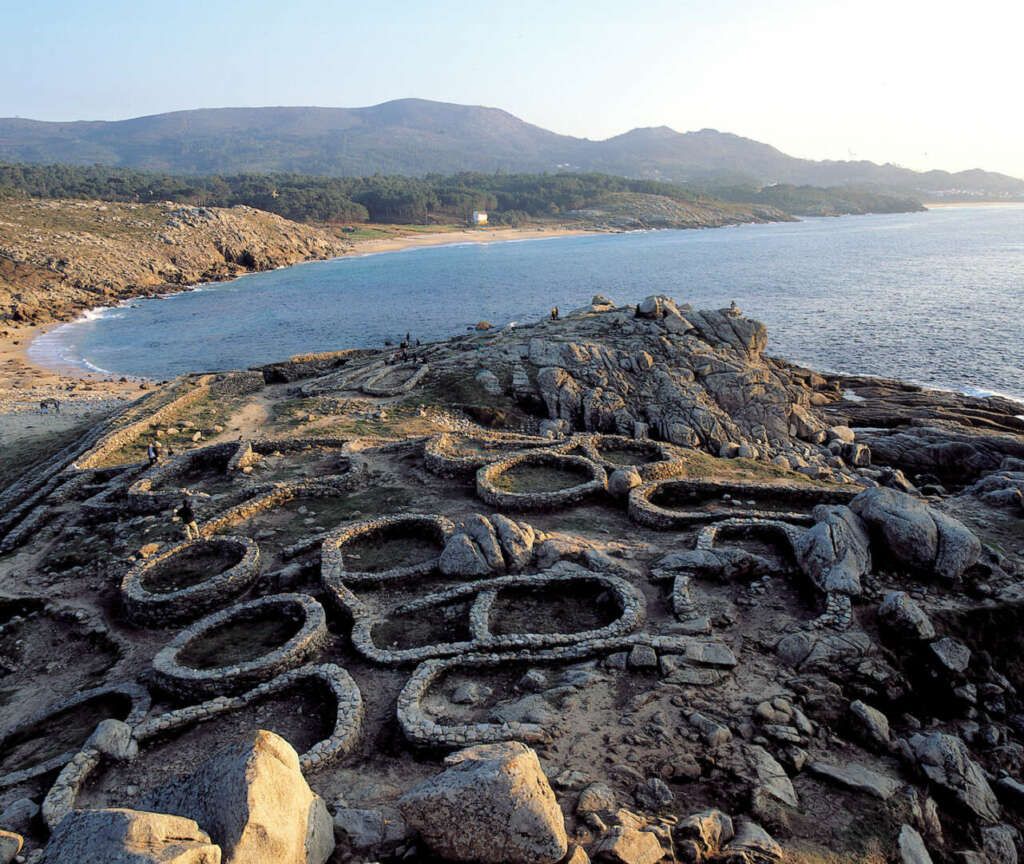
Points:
[(208, 412), (527, 478)]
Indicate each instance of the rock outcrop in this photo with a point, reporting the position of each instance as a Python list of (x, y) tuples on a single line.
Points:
[(255, 803), (835, 552), (66, 256), (916, 535), (129, 837), (493, 804)]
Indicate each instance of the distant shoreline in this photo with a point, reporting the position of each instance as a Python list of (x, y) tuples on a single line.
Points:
[(940, 205), (468, 235)]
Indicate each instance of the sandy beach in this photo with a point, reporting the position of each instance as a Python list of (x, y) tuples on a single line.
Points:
[(83, 395), (469, 235)]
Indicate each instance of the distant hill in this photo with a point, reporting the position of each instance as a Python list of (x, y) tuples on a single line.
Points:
[(417, 137)]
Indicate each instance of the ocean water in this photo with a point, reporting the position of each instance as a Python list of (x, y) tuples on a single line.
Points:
[(934, 298)]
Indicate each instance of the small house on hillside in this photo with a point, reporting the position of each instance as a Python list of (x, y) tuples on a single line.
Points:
[(479, 217)]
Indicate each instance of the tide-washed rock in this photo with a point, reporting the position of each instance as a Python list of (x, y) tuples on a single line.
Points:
[(255, 803), (492, 804), (945, 760), (835, 552), (904, 618), (915, 534), (628, 846), (912, 848), (128, 837)]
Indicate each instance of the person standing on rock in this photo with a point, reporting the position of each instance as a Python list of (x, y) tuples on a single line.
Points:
[(151, 454), (188, 518)]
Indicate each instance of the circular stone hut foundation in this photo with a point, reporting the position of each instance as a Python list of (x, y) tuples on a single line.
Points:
[(451, 454), (669, 505), (366, 553), (651, 459), (540, 481), (241, 646), (163, 589), (127, 702)]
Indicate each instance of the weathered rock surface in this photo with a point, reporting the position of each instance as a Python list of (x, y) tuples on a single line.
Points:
[(859, 778), (10, 846), (624, 845), (492, 804), (752, 845), (835, 552), (700, 382), (75, 255), (912, 848), (904, 618), (128, 837), (917, 535), (255, 803), (945, 760)]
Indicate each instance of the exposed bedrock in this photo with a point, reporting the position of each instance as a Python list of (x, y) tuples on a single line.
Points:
[(255, 804), (697, 378), (492, 804), (917, 535)]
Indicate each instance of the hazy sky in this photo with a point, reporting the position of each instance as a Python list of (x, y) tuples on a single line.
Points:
[(924, 83)]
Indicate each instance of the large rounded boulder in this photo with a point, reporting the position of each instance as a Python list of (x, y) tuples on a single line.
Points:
[(916, 535)]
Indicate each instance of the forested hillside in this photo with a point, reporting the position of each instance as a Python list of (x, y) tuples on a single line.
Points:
[(509, 198), (417, 137)]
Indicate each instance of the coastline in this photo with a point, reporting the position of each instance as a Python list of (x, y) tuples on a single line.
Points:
[(948, 205), (12, 353), (468, 235), (24, 382)]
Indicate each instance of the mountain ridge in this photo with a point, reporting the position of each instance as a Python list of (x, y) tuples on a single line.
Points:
[(419, 136)]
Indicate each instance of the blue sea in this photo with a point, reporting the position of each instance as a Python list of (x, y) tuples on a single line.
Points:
[(935, 298)]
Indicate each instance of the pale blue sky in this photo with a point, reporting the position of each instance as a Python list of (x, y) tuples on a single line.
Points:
[(924, 83)]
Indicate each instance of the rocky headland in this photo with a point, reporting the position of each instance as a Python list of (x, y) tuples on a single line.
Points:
[(617, 587), (58, 258)]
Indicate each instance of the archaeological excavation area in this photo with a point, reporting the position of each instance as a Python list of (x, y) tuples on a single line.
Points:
[(619, 587)]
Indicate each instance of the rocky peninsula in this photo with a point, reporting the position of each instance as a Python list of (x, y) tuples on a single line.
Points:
[(616, 587)]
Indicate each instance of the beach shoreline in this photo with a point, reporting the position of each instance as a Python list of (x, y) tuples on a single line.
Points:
[(84, 393), (15, 362)]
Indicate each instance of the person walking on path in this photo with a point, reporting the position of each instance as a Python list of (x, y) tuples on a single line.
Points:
[(188, 518), (151, 453)]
